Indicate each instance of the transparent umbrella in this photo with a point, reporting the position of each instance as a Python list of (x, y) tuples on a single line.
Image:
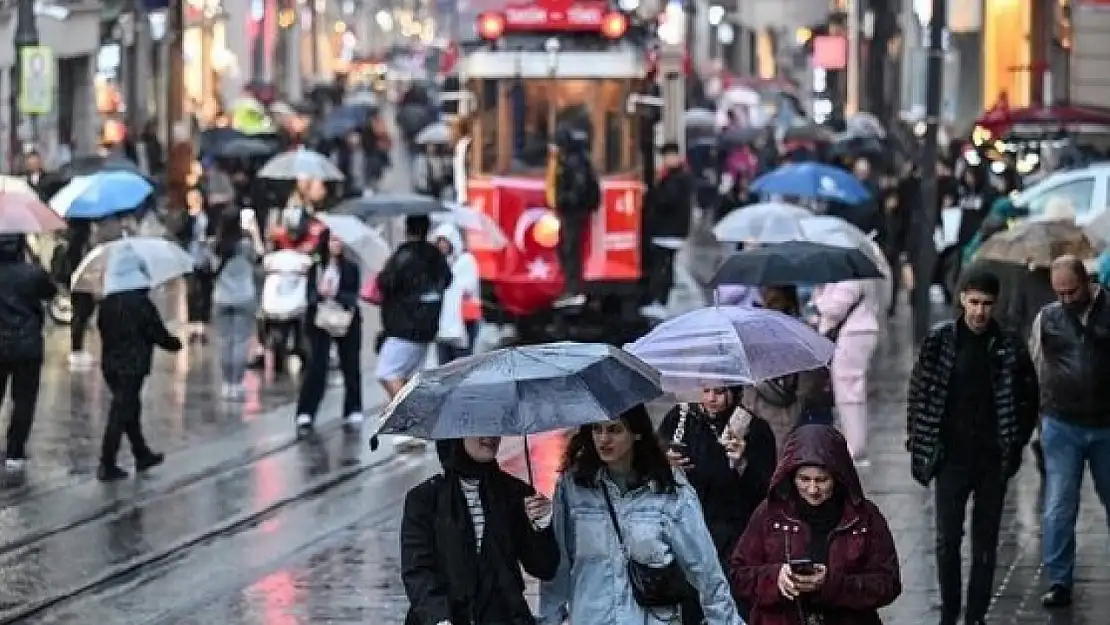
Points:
[(728, 345)]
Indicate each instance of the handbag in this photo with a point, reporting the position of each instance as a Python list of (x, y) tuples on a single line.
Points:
[(372, 291), (333, 318), (652, 586)]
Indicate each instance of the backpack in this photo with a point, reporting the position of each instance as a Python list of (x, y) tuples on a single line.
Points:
[(578, 189)]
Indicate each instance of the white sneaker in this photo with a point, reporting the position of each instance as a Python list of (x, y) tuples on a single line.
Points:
[(408, 444), (304, 420), (654, 311), (15, 464), (355, 418), (293, 365)]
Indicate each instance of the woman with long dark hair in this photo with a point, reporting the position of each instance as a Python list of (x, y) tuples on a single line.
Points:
[(466, 534), (332, 316), (234, 296), (619, 507)]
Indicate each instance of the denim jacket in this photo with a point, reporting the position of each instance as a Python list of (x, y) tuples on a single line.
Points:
[(592, 587)]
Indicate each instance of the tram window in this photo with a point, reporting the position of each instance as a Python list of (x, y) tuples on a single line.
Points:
[(486, 143), (612, 99)]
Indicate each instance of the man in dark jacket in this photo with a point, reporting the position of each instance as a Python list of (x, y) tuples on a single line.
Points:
[(1070, 343), (130, 327), (26, 286), (972, 408), (577, 198), (668, 208)]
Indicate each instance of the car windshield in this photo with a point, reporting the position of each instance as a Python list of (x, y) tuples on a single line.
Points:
[(1065, 199)]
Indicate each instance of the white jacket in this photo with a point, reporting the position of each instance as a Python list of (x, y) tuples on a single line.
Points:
[(464, 282)]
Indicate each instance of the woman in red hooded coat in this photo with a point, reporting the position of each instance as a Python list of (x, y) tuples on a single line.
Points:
[(816, 512)]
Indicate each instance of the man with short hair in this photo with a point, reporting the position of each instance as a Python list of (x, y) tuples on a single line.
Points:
[(1070, 344), (972, 407)]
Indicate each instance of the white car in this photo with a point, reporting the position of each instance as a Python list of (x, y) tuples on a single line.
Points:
[(1085, 191)]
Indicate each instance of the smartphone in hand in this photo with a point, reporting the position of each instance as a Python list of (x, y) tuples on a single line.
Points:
[(802, 566)]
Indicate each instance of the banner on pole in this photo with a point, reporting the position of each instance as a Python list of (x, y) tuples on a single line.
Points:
[(37, 77)]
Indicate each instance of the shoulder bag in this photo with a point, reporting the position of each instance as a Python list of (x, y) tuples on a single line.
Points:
[(652, 587), (333, 318)]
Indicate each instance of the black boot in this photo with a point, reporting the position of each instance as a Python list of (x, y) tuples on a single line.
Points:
[(110, 473)]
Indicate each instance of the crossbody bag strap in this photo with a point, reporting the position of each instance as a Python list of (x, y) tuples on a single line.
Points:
[(613, 517)]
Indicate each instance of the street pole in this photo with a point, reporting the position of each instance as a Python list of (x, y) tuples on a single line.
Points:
[(926, 257), (131, 38), (26, 36), (179, 159)]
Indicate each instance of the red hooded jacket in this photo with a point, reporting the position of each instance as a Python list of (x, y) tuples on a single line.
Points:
[(863, 573)]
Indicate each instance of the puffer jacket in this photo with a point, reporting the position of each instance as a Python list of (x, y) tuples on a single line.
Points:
[(26, 286), (1015, 398)]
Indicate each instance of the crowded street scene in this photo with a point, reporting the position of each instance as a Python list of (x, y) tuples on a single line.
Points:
[(559, 312)]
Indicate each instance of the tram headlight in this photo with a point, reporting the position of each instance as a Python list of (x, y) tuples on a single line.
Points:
[(546, 231)]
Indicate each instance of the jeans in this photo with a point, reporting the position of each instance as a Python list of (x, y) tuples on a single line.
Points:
[(956, 482), (1067, 448), (316, 376), (24, 376), (572, 230), (234, 327), (124, 418), (84, 305)]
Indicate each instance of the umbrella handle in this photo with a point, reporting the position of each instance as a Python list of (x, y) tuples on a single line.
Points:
[(528, 460)]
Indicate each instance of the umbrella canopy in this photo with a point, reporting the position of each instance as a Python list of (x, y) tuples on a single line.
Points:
[(210, 140), (246, 147), (863, 125), (700, 118), (437, 133), (766, 222), (343, 121), (1098, 230), (23, 213), (130, 263), (391, 205), (476, 223), (812, 181), (100, 195), (12, 184), (734, 137), (520, 391), (364, 242), (796, 262), (730, 345), (1037, 243), (300, 163), (53, 182)]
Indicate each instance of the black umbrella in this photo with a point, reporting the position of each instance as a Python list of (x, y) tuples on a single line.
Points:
[(796, 262), (246, 147), (210, 140), (391, 205), (735, 137)]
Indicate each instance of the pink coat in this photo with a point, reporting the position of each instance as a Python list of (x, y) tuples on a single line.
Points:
[(857, 339)]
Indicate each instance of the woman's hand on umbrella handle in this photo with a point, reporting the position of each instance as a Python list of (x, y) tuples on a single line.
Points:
[(537, 507)]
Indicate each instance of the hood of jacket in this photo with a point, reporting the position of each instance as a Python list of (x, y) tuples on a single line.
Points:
[(816, 446), (450, 232)]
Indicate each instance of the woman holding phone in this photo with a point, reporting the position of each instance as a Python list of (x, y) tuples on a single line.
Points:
[(817, 550)]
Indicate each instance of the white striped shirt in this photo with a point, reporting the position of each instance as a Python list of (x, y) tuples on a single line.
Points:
[(474, 505)]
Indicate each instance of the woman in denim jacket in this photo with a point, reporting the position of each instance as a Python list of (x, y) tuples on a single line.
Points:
[(661, 521)]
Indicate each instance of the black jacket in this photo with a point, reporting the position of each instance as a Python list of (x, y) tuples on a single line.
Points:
[(347, 295), (670, 203), (438, 551), (1076, 363), (25, 287), (1015, 398), (130, 327), (728, 498), (412, 285)]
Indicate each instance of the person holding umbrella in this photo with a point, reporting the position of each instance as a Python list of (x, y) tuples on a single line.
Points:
[(332, 317), (26, 286), (466, 534)]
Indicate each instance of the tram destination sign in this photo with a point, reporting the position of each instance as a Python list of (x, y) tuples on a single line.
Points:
[(556, 17)]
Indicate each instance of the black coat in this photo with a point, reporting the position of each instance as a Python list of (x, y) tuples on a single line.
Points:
[(728, 498), (670, 203), (130, 327), (25, 287), (438, 550), (412, 285), (1015, 390)]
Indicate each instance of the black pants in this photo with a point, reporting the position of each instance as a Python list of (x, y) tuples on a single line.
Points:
[(84, 305), (661, 276), (572, 228), (956, 482), (124, 418), (198, 287), (316, 375), (893, 259), (24, 376)]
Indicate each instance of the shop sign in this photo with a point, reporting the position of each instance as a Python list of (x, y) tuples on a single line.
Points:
[(36, 80)]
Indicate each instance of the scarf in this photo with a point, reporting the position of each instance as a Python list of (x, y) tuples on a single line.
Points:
[(822, 520)]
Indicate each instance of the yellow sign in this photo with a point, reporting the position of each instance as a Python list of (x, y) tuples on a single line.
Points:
[(37, 78)]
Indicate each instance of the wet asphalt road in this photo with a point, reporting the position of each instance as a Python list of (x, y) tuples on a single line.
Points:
[(245, 525)]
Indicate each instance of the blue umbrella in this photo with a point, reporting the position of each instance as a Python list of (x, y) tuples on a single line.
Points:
[(812, 181), (101, 195)]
